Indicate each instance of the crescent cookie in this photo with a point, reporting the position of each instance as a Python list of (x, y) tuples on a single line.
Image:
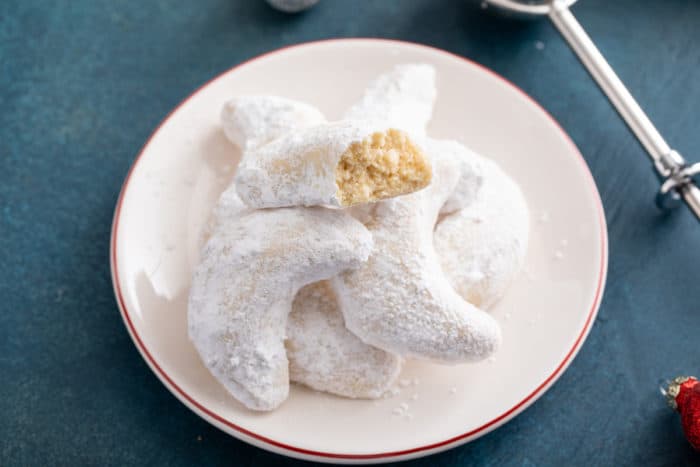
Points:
[(322, 353), (242, 291), (334, 164), (403, 98), (251, 121), (325, 356), (482, 247), (400, 300)]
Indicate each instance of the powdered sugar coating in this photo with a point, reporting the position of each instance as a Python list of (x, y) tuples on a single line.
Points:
[(400, 299), (483, 246), (471, 174), (252, 121), (322, 353), (403, 98), (299, 168), (325, 356), (242, 291)]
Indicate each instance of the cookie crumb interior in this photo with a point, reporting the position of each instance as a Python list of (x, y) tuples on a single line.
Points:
[(383, 165)]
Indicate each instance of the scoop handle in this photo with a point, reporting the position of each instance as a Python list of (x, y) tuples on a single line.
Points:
[(671, 167)]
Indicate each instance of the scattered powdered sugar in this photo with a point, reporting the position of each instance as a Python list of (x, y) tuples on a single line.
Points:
[(453, 390), (558, 254), (539, 45), (402, 411)]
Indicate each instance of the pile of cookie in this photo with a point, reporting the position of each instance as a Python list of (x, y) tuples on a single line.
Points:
[(343, 247)]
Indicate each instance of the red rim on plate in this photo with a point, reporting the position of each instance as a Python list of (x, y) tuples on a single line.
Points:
[(455, 441)]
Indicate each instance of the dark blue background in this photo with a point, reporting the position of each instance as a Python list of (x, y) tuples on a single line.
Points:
[(82, 85)]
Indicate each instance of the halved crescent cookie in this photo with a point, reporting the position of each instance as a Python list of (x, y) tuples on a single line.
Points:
[(333, 164)]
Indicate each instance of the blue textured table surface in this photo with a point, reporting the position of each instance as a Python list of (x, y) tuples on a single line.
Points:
[(82, 85)]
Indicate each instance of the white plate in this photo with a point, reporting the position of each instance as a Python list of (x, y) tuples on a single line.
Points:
[(545, 317)]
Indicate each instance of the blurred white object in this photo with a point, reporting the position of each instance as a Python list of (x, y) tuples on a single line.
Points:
[(292, 6)]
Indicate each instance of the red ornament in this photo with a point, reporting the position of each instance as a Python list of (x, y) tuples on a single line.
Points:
[(683, 394)]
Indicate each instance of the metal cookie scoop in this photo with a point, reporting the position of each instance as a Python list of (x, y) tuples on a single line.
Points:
[(679, 180)]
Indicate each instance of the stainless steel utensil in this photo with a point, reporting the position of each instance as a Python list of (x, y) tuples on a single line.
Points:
[(679, 180)]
